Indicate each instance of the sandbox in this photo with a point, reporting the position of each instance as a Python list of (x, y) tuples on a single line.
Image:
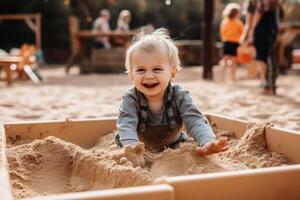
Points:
[(75, 144)]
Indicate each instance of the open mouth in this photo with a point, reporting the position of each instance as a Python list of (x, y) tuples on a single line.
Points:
[(150, 85)]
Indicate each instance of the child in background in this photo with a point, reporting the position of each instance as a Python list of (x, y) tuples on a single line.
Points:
[(231, 30), (155, 110), (101, 25), (123, 21), (123, 26)]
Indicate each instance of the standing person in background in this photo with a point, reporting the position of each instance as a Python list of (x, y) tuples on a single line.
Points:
[(261, 30), (231, 30), (101, 25), (123, 21)]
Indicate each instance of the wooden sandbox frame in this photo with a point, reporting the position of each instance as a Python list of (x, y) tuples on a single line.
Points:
[(267, 183)]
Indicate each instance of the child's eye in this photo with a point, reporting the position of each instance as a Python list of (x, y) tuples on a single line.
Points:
[(140, 70), (158, 69)]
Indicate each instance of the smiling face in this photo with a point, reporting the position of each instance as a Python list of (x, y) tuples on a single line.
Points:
[(151, 73)]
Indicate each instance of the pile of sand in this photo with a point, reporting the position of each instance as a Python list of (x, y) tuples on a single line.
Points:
[(51, 165)]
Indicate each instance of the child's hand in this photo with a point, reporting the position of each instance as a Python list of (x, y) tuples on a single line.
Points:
[(212, 147), (135, 154)]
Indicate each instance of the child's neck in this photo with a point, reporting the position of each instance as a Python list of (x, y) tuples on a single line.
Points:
[(155, 104)]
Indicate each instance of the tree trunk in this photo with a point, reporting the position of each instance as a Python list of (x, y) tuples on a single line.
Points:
[(208, 39)]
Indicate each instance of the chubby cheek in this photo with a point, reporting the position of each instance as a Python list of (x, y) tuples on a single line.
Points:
[(137, 82), (133, 78)]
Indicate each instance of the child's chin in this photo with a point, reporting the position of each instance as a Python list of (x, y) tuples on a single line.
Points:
[(151, 94)]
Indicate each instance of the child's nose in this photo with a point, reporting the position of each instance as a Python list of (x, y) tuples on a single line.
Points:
[(149, 74)]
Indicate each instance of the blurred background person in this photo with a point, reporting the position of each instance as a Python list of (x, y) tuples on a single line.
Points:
[(263, 18), (124, 20), (231, 30), (101, 24)]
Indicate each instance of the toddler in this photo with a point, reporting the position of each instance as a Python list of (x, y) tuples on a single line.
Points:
[(154, 111)]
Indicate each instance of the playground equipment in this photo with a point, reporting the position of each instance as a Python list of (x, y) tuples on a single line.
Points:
[(25, 60)]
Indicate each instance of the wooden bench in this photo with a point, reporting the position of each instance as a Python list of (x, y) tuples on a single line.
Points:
[(191, 52), (101, 60), (104, 61), (6, 62)]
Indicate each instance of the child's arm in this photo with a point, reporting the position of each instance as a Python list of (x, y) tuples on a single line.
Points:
[(127, 129), (128, 120), (198, 126), (196, 123)]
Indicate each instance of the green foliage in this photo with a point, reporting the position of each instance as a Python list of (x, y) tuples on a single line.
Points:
[(183, 18)]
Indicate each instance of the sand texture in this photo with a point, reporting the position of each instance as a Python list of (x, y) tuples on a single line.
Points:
[(76, 96), (52, 166)]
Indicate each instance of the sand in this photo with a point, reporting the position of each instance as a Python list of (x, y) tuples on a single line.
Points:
[(63, 96), (52, 166)]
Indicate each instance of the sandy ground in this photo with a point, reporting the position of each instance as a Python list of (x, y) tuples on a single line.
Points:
[(63, 96), (51, 166)]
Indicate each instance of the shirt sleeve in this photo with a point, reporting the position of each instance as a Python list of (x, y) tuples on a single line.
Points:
[(241, 27), (128, 121), (196, 123)]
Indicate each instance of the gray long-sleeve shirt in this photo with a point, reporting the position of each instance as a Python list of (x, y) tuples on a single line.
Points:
[(195, 122)]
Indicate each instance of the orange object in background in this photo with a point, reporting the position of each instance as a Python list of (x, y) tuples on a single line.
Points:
[(245, 53), (26, 66), (27, 52), (296, 56)]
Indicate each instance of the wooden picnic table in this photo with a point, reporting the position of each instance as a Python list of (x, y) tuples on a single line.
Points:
[(6, 62), (82, 49), (93, 34)]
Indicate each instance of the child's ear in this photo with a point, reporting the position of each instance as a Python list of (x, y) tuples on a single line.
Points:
[(130, 76), (174, 72)]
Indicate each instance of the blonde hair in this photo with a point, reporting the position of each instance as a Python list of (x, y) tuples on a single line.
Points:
[(123, 25), (152, 42), (231, 10), (104, 12), (123, 14)]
